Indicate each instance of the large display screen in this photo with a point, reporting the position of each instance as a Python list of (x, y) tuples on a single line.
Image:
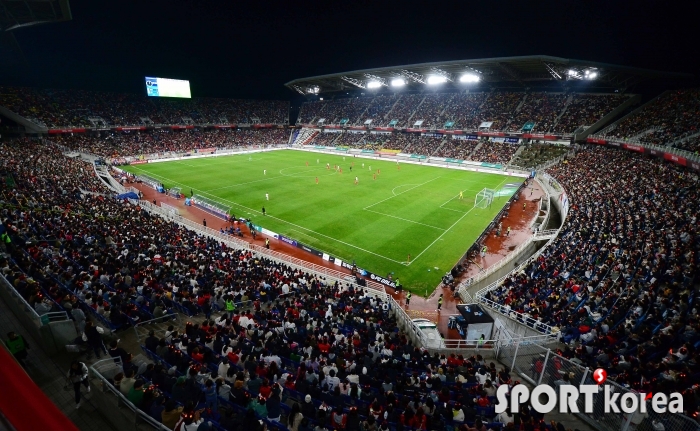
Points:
[(164, 87)]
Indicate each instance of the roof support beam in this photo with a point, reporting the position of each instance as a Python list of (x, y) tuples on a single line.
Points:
[(413, 76), (353, 81)]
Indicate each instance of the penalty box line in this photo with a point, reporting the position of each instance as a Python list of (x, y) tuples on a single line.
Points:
[(283, 221), (399, 194), (448, 229)]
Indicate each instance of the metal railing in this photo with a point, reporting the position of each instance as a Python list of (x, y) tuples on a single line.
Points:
[(113, 403)]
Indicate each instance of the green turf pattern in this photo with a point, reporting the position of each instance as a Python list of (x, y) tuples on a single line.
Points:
[(377, 223)]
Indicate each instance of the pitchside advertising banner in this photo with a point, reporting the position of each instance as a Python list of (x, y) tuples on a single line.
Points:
[(294, 243), (679, 160)]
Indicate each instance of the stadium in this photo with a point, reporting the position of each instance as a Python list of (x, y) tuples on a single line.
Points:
[(379, 248)]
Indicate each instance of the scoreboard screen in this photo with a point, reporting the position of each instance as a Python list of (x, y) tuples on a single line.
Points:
[(165, 87)]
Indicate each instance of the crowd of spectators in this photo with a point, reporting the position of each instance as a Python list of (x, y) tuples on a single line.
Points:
[(458, 148), (534, 155), (668, 118), (493, 152), (403, 110), (431, 110), (132, 143), (285, 335), (587, 109), (691, 144), (540, 108), (620, 281), (378, 108), (72, 108), (310, 112), (326, 139), (463, 108), (497, 109)]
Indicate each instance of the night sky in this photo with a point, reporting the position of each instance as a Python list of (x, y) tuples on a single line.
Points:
[(250, 49)]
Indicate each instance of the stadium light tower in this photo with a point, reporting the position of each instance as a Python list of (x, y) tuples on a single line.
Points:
[(469, 78), (436, 79), (375, 81), (398, 82)]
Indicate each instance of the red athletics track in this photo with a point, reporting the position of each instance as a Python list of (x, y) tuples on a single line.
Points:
[(518, 219)]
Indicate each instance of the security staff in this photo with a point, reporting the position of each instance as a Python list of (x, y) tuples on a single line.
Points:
[(17, 346), (408, 298)]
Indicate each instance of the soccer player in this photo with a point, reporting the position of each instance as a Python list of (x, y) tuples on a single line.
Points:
[(267, 196), (363, 166), (328, 166), (350, 168), (374, 176), (370, 168), (307, 163), (317, 161), (263, 210), (316, 180), (264, 171), (379, 171), (357, 181), (340, 169), (461, 194)]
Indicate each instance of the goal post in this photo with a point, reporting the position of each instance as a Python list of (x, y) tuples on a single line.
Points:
[(484, 198)]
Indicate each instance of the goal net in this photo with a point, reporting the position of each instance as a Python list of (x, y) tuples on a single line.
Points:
[(484, 198)]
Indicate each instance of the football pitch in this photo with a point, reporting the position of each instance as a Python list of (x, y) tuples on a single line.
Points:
[(392, 212)]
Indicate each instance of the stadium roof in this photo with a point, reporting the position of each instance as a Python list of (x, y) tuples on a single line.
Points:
[(22, 13), (522, 72)]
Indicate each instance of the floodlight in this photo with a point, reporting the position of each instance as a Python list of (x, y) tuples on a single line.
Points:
[(592, 75), (572, 72), (469, 77), (374, 84), (320, 98), (398, 82), (313, 90), (436, 79)]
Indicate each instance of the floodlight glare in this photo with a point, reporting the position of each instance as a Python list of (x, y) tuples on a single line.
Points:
[(398, 82), (436, 79), (572, 72), (313, 90), (592, 75), (469, 77), (374, 84)]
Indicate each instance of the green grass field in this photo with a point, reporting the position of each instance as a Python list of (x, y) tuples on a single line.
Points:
[(377, 223)]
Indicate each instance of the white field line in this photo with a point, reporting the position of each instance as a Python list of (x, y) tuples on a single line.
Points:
[(447, 230), (407, 190), (285, 221), (406, 220)]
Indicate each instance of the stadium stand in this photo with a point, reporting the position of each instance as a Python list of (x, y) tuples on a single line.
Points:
[(666, 119), (494, 152), (534, 155), (130, 143), (551, 112), (73, 108), (620, 280), (540, 108), (458, 149), (586, 110)]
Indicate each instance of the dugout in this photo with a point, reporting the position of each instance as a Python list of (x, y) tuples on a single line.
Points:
[(474, 322)]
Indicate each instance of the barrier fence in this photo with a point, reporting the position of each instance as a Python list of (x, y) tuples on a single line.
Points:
[(539, 365)]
